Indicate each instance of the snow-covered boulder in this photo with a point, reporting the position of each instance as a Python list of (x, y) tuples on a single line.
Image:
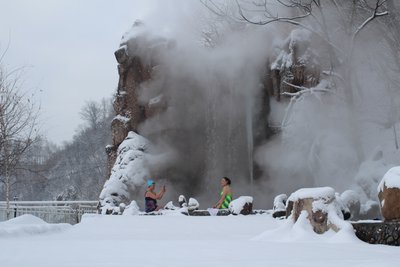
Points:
[(193, 204), (324, 211), (351, 200), (170, 206), (128, 173), (389, 195), (279, 206), (370, 210), (182, 201), (242, 205)]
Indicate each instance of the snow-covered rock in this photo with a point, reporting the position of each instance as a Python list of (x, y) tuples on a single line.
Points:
[(279, 206), (351, 200), (128, 173), (182, 201), (324, 211), (193, 204), (170, 206), (389, 194), (242, 205), (370, 210), (345, 211)]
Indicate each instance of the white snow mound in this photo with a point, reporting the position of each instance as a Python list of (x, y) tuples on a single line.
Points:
[(29, 225), (302, 231)]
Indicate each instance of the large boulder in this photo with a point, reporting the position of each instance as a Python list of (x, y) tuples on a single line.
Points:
[(321, 206), (389, 195)]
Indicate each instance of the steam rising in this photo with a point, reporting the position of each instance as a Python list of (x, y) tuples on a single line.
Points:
[(210, 74)]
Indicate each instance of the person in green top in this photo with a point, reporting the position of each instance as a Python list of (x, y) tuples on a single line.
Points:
[(225, 195)]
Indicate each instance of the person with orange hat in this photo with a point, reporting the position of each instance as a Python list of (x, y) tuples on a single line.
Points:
[(151, 197)]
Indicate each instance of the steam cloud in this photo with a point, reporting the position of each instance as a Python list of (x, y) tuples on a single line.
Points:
[(214, 94)]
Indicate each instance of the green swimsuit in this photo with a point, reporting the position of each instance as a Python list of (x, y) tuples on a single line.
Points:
[(227, 200)]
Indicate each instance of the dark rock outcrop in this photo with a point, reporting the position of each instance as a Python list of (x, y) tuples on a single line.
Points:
[(384, 233)]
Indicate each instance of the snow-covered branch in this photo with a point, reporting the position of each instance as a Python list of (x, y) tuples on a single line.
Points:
[(374, 15)]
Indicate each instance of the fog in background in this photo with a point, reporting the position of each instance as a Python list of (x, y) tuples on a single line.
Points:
[(210, 73)]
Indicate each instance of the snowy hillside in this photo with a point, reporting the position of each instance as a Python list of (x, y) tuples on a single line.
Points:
[(100, 241)]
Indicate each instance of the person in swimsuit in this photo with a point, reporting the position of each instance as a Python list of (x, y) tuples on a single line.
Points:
[(225, 195), (151, 197)]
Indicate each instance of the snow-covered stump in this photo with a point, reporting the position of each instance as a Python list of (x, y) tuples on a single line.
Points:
[(279, 209), (320, 204), (242, 205), (389, 195)]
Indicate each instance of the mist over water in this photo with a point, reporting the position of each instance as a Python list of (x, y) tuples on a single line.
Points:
[(214, 111)]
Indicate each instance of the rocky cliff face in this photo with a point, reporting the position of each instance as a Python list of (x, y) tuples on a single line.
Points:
[(135, 67), (207, 119)]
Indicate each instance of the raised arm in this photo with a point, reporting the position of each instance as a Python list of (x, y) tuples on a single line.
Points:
[(161, 193), (158, 195)]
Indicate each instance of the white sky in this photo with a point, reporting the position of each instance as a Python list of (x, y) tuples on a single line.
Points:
[(68, 46)]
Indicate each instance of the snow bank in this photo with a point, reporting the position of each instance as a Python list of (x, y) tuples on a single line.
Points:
[(29, 225), (302, 231), (129, 172), (391, 179)]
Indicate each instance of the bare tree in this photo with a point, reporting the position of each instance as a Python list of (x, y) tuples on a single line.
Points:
[(18, 126), (94, 113)]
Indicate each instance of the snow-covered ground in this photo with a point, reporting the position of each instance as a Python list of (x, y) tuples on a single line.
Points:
[(259, 240)]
